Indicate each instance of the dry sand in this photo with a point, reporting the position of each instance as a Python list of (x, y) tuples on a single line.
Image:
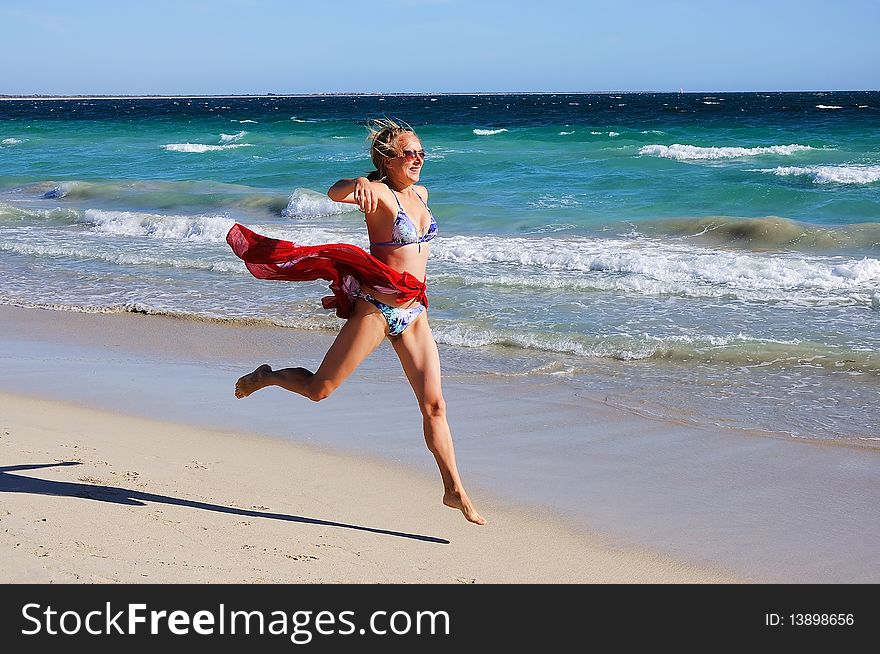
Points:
[(92, 496)]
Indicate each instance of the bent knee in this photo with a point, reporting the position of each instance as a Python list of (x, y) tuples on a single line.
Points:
[(434, 408), (318, 391)]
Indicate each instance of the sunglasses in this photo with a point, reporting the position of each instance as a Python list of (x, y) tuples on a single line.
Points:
[(412, 154)]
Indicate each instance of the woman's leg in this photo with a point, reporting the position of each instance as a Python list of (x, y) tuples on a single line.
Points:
[(358, 338), (418, 354)]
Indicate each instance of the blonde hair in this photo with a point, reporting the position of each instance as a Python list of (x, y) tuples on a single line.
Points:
[(383, 136)]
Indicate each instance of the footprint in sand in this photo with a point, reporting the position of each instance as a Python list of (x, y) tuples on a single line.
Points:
[(295, 557)]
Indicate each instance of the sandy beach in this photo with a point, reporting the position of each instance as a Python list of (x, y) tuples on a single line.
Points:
[(127, 459), (90, 496)]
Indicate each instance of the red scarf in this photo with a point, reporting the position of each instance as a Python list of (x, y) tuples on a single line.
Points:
[(270, 258)]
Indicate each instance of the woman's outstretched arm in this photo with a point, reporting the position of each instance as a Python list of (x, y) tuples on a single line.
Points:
[(360, 191)]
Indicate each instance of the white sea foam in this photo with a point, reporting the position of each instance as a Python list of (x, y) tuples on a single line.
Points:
[(488, 132), (307, 235), (11, 141), (692, 152), (13, 211), (549, 201), (613, 134), (828, 106), (462, 336), (207, 228), (201, 147), (624, 347), (305, 203), (232, 138), (62, 215), (135, 223), (242, 121), (644, 266), (830, 174), (549, 229), (565, 133), (114, 255)]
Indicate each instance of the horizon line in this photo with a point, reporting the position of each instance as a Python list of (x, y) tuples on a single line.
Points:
[(145, 96)]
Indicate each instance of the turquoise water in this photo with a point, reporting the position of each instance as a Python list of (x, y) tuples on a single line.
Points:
[(720, 250)]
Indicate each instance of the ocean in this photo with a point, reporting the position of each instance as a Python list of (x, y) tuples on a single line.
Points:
[(707, 258)]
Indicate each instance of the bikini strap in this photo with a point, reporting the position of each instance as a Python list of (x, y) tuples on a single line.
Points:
[(423, 202), (399, 206)]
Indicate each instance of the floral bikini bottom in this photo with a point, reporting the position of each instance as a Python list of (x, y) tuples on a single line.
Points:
[(398, 318)]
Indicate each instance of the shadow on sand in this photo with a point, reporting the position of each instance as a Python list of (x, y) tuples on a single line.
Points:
[(12, 483)]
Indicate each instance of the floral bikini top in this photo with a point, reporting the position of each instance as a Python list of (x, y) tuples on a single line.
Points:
[(405, 232)]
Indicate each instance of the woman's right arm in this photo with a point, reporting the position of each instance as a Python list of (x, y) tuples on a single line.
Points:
[(357, 191)]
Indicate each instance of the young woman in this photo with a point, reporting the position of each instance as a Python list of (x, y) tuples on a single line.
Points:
[(376, 306)]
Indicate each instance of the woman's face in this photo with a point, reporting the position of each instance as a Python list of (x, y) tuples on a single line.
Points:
[(407, 166)]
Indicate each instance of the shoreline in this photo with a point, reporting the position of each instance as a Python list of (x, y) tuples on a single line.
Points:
[(746, 506)]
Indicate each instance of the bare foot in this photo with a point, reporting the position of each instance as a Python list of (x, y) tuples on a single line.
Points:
[(252, 382), (461, 502)]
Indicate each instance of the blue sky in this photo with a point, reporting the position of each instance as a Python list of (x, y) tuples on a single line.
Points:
[(434, 46)]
